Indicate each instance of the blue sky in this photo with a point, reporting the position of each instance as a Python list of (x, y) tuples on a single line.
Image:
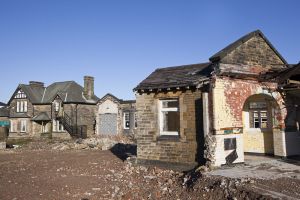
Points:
[(121, 42)]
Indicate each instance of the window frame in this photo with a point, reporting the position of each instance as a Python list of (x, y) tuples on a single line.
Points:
[(124, 120), (259, 119), (23, 125), (57, 126), (161, 110), (22, 106)]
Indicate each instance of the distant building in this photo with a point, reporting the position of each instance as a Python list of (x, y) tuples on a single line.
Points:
[(115, 116), (63, 109)]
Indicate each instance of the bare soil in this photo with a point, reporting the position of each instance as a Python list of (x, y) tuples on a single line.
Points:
[(36, 171)]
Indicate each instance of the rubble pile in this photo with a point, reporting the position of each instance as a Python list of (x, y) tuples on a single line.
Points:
[(168, 184)]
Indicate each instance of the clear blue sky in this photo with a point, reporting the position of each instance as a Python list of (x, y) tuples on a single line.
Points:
[(121, 42)]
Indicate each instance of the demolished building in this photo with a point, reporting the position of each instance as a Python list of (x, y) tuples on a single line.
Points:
[(242, 101)]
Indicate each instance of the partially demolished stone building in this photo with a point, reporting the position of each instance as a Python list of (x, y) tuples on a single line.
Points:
[(244, 100)]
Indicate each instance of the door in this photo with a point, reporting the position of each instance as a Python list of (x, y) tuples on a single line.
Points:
[(108, 124)]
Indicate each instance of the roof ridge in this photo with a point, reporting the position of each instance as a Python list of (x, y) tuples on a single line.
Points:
[(179, 66), (232, 46)]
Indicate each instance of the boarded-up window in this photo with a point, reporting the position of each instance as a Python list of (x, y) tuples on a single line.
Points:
[(229, 144)]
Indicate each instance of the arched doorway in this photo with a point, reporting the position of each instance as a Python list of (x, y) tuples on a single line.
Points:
[(258, 121)]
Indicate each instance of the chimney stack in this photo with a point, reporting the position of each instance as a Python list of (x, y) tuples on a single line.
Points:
[(88, 91)]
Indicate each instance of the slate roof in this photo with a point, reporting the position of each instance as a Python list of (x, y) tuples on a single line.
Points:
[(43, 116), (179, 76), (68, 91), (34, 93), (2, 104), (221, 54)]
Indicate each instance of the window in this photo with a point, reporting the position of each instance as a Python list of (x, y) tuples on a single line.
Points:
[(258, 115), (44, 128), (135, 120), (56, 106), (13, 126), (21, 106), (57, 126), (169, 117), (23, 126), (126, 120), (20, 95)]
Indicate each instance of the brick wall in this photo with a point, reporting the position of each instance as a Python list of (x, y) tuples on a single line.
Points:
[(150, 147)]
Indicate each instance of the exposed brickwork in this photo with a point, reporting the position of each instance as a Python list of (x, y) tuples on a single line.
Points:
[(150, 147)]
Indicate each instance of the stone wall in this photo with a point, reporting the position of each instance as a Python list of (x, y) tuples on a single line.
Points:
[(85, 116), (254, 53), (13, 108), (131, 108), (150, 145)]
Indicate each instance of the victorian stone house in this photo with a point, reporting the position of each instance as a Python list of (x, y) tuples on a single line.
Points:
[(244, 100), (63, 109), (115, 116)]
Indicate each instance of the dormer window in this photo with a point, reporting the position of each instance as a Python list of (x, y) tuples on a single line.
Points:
[(21, 106), (20, 95)]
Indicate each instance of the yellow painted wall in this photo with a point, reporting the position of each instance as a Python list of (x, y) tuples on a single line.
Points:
[(256, 141)]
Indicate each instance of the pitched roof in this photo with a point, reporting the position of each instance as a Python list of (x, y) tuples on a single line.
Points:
[(109, 95), (2, 104), (221, 54), (43, 116), (69, 92), (34, 93), (121, 101), (179, 76)]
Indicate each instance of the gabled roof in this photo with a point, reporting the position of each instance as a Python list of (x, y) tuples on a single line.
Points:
[(43, 116), (68, 91), (109, 95), (33, 93), (221, 54), (116, 99), (179, 76)]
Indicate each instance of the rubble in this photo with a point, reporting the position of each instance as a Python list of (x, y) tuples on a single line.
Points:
[(74, 173), (2, 145)]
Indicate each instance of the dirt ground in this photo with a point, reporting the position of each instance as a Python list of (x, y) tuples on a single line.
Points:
[(36, 171)]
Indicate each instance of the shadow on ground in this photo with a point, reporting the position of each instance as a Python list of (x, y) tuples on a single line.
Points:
[(123, 151)]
